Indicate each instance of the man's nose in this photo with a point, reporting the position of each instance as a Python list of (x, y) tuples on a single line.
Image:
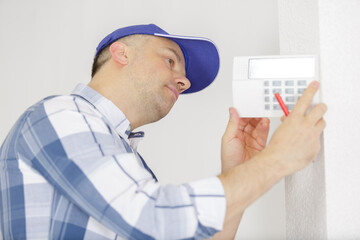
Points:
[(182, 83)]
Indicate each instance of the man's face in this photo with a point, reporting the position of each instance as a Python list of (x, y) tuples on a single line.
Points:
[(158, 76)]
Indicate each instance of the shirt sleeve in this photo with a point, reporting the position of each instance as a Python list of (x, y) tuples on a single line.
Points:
[(79, 155)]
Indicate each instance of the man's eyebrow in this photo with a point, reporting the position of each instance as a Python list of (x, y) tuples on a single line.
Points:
[(176, 54)]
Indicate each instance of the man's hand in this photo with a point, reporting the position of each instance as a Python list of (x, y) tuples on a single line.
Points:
[(243, 139), (297, 141), (292, 147)]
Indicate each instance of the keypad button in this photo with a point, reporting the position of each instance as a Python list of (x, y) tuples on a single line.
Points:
[(301, 83), (267, 99), (276, 107), (301, 90), (266, 91), (290, 99), (290, 106), (289, 83), (277, 90), (289, 91), (267, 106), (276, 83), (266, 83)]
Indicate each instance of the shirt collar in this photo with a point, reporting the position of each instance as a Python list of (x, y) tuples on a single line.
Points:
[(106, 107)]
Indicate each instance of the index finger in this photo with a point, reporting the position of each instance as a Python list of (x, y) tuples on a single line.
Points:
[(306, 98)]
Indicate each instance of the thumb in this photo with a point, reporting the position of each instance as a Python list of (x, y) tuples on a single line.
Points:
[(232, 126)]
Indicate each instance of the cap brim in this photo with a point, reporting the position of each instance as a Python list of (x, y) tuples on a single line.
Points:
[(202, 60)]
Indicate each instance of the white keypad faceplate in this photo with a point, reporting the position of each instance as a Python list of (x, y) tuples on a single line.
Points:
[(256, 97)]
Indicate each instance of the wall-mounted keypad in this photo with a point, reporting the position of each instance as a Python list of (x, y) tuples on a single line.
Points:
[(290, 91)]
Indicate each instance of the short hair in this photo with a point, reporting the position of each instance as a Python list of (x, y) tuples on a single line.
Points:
[(103, 56)]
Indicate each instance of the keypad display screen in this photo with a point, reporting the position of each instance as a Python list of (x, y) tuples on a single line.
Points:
[(281, 68)]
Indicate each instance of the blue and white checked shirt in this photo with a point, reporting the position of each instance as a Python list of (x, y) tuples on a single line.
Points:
[(69, 169)]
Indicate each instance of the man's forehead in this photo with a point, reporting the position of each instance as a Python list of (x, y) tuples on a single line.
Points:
[(170, 44)]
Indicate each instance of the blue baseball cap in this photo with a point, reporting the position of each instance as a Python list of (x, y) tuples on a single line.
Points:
[(201, 55)]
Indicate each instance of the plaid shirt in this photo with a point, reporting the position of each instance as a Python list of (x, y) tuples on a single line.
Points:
[(69, 169)]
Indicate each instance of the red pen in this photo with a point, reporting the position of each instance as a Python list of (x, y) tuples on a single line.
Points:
[(282, 104)]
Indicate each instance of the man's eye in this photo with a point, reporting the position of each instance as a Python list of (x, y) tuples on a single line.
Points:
[(171, 62)]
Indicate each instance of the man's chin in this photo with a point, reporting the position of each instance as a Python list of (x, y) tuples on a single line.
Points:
[(162, 112)]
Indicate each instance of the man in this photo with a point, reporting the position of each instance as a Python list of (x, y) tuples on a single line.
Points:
[(70, 168)]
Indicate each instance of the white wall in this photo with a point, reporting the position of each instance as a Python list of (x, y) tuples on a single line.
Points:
[(323, 201), (47, 46), (340, 50), (305, 190)]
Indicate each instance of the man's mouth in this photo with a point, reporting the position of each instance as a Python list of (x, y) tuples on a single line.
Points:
[(176, 93)]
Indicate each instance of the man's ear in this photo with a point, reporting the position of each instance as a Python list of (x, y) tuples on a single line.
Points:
[(118, 51)]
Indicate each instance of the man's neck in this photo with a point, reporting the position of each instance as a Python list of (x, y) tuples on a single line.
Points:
[(112, 90)]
